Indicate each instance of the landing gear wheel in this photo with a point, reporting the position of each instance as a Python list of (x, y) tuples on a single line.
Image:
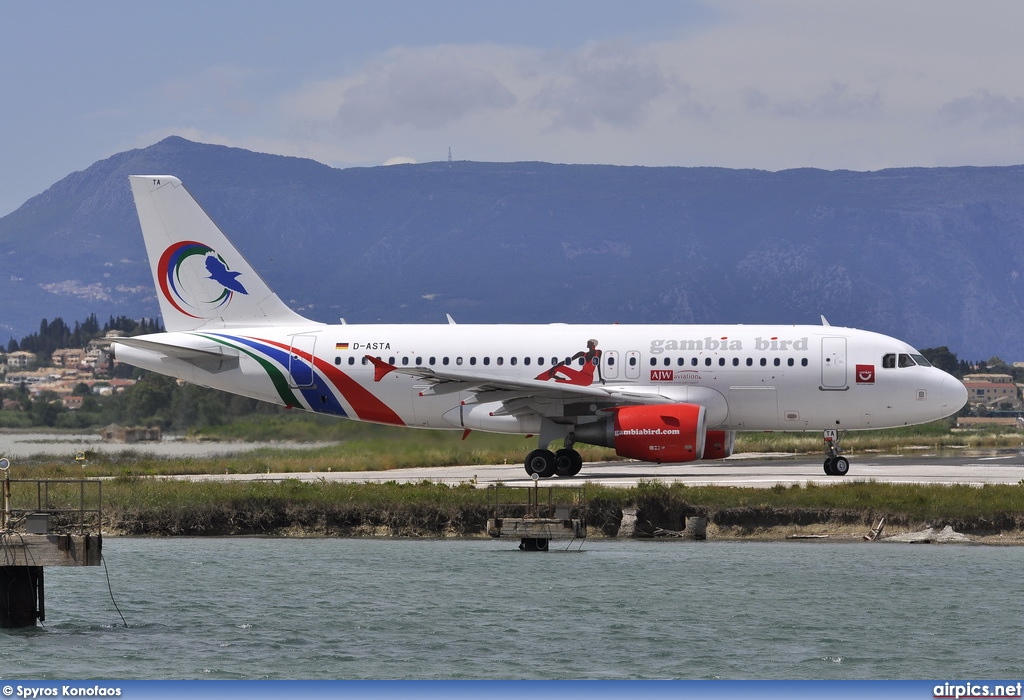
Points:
[(568, 462), (541, 463), (834, 464), (837, 466)]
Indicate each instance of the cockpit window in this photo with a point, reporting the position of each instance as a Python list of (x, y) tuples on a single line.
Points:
[(904, 360)]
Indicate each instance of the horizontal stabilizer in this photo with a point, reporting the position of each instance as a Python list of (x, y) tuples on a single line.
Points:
[(214, 358)]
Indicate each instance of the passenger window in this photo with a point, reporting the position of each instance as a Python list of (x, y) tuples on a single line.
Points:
[(405, 360), (654, 361), (632, 362), (337, 360), (487, 361)]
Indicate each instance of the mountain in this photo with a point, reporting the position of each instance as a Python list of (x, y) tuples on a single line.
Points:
[(934, 256)]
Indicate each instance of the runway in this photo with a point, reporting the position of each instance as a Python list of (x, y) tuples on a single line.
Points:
[(752, 471)]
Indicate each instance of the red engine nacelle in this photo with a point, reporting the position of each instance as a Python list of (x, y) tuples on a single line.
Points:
[(719, 444), (661, 433)]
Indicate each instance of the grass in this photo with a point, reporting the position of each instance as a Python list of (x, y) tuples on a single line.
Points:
[(343, 446), (138, 504)]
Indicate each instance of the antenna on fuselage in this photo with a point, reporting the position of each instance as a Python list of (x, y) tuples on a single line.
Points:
[(824, 321)]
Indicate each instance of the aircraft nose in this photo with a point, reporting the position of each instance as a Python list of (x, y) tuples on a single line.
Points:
[(952, 395)]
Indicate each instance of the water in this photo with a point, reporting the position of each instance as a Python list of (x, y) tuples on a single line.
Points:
[(480, 609)]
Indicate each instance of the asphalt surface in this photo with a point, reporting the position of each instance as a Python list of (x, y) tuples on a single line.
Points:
[(757, 471)]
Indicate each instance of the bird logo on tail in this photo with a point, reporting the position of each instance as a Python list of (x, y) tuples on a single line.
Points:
[(194, 290)]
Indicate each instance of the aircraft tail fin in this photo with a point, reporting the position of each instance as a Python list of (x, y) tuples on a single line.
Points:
[(202, 281)]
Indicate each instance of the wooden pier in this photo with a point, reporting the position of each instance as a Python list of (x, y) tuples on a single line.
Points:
[(44, 522), (534, 518)]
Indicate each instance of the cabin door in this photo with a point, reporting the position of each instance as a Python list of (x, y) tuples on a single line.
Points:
[(833, 363), (300, 361)]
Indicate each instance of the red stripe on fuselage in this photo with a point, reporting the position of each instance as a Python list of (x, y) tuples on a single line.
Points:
[(366, 406)]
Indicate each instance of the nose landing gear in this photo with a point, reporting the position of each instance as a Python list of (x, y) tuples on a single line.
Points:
[(835, 465)]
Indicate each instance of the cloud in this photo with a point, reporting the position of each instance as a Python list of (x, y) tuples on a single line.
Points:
[(425, 89), (985, 110), (835, 101), (788, 83), (608, 82)]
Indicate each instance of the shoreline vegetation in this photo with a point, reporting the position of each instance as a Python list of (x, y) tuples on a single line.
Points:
[(136, 504)]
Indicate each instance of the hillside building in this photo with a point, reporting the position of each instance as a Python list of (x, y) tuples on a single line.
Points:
[(994, 392)]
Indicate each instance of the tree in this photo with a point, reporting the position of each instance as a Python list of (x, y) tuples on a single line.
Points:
[(997, 366), (149, 400), (46, 409), (945, 360)]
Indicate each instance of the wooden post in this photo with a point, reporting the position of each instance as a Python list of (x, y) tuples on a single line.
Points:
[(21, 596)]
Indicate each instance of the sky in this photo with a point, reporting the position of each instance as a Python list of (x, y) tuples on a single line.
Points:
[(774, 84)]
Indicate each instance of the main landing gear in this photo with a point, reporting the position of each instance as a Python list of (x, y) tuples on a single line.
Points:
[(544, 463), (834, 464)]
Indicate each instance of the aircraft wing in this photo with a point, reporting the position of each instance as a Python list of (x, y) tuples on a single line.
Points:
[(211, 357), (503, 388)]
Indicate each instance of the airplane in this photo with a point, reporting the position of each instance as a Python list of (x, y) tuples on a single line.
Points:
[(653, 393)]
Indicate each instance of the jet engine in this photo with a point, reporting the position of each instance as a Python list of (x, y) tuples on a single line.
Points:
[(719, 444), (659, 433)]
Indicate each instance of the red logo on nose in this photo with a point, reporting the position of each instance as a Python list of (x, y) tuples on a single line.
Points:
[(865, 374)]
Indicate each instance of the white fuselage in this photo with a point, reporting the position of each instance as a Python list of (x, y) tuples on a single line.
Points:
[(748, 377)]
